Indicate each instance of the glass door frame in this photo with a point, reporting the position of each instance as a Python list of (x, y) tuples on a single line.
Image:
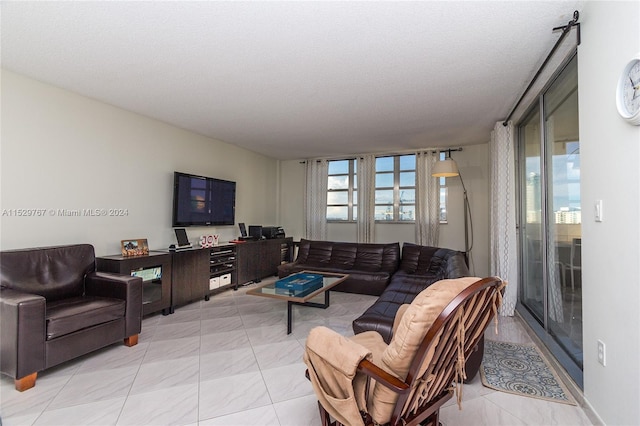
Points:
[(540, 326)]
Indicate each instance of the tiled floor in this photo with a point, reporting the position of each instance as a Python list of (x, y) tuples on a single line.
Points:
[(229, 361)]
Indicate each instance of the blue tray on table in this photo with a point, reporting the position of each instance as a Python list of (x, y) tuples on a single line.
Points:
[(299, 284)]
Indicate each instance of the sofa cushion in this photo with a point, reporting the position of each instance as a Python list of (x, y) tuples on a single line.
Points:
[(52, 272), (368, 258), (317, 254), (346, 256), (416, 259), (343, 256), (435, 262), (77, 313)]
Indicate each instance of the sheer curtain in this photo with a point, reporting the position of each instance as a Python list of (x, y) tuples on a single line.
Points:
[(555, 308), (427, 200), (316, 199), (503, 256), (366, 174)]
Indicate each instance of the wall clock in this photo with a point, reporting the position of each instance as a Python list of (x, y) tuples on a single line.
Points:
[(628, 92)]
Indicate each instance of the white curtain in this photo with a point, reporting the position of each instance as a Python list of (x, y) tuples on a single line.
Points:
[(555, 309), (366, 174), (504, 245), (316, 199), (427, 200)]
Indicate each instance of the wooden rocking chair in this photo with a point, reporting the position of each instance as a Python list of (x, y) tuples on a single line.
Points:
[(363, 381)]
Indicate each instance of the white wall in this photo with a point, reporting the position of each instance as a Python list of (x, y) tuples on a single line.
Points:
[(610, 155), (473, 163), (64, 151)]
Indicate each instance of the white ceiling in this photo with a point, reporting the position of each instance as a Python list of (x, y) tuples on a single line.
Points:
[(294, 79)]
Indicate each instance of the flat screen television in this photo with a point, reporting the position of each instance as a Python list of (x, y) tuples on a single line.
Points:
[(203, 201)]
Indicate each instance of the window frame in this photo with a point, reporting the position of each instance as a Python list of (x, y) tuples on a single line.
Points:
[(352, 189), (396, 188)]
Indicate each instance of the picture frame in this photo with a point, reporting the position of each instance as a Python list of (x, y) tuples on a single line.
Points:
[(134, 247)]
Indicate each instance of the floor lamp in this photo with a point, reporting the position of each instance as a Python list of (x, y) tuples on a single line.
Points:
[(449, 168)]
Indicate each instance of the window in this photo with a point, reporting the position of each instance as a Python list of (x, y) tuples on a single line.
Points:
[(395, 190), (395, 194), (342, 195)]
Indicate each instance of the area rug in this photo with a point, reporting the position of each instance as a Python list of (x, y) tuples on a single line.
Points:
[(521, 370)]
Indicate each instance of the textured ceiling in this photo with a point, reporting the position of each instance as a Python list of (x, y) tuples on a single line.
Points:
[(294, 79)]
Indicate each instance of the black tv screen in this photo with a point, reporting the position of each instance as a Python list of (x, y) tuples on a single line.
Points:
[(203, 201)]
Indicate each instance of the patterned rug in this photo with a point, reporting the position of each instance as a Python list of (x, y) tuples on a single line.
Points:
[(521, 370)]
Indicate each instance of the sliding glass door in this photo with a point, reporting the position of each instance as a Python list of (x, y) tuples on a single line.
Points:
[(550, 217)]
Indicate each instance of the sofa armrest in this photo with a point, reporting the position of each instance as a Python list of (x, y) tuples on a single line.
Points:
[(22, 318), (456, 266), (119, 286)]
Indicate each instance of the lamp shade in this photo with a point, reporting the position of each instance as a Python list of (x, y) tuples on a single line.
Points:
[(445, 168)]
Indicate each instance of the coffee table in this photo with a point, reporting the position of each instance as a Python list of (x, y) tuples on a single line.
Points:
[(329, 280)]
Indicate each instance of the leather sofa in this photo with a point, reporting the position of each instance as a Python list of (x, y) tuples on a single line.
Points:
[(54, 307), (420, 267), (370, 266)]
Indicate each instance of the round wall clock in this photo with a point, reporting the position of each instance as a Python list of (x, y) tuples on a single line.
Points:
[(628, 92)]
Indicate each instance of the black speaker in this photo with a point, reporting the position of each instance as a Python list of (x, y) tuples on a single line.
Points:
[(255, 231), (270, 232)]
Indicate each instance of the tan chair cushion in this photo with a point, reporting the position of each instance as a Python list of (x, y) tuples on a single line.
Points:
[(372, 340), (417, 320), (396, 320)]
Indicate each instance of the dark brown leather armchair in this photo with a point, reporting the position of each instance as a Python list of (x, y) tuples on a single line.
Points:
[(54, 307)]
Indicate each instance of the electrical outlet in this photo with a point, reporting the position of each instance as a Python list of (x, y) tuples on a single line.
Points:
[(602, 353)]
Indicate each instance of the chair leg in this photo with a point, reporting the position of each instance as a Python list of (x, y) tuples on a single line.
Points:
[(131, 340), (432, 420), (26, 382), (325, 419), (324, 416)]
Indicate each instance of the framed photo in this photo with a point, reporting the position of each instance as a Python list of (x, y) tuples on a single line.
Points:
[(135, 247)]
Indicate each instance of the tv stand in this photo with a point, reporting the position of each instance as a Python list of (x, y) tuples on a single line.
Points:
[(156, 291), (197, 273), (260, 259)]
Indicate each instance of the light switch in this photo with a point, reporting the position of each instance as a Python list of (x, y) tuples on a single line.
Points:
[(598, 211)]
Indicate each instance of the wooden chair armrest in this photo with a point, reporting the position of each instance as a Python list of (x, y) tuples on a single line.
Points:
[(382, 377), (379, 375)]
